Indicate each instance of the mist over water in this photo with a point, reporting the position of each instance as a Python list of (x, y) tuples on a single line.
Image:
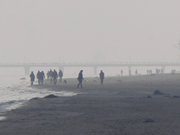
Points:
[(93, 31), (78, 31)]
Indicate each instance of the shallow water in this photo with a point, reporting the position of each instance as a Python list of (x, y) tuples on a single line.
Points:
[(15, 90)]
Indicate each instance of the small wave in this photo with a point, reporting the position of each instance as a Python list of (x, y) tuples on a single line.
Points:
[(7, 106), (15, 93)]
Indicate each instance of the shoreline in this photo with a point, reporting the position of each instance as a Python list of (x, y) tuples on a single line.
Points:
[(120, 106)]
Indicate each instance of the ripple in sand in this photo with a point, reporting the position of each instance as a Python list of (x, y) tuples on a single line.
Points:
[(149, 121)]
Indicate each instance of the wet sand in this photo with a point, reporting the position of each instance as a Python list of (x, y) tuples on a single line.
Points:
[(122, 106)]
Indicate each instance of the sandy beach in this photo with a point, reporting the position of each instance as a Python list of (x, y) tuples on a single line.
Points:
[(137, 105)]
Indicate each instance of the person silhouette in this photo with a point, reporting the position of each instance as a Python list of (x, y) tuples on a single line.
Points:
[(39, 77), (32, 77), (121, 72), (55, 76), (136, 72), (80, 79), (42, 77), (101, 76), (60, 75)]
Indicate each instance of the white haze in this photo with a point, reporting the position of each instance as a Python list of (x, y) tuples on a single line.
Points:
[(89, 30)]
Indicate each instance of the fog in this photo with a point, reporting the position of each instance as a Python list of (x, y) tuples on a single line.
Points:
[(89, 30)]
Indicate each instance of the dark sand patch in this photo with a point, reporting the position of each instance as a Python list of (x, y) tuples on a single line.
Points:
[(51, 96)]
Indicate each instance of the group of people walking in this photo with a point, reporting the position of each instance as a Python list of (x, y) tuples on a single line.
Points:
[(40, 76), (53, 76)]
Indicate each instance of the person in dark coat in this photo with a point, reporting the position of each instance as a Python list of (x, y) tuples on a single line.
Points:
[(80, 79), (60, 75), (51, 76), (55, 76), (42, 77), (32, 77), (101, 76), (39, 77)]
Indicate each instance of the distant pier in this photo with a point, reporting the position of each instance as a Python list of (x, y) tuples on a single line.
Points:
[(95, 66)]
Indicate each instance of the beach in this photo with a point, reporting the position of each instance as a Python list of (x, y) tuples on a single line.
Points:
[(136, 105)]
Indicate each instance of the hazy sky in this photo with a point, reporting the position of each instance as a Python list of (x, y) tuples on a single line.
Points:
[(89, 30)]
